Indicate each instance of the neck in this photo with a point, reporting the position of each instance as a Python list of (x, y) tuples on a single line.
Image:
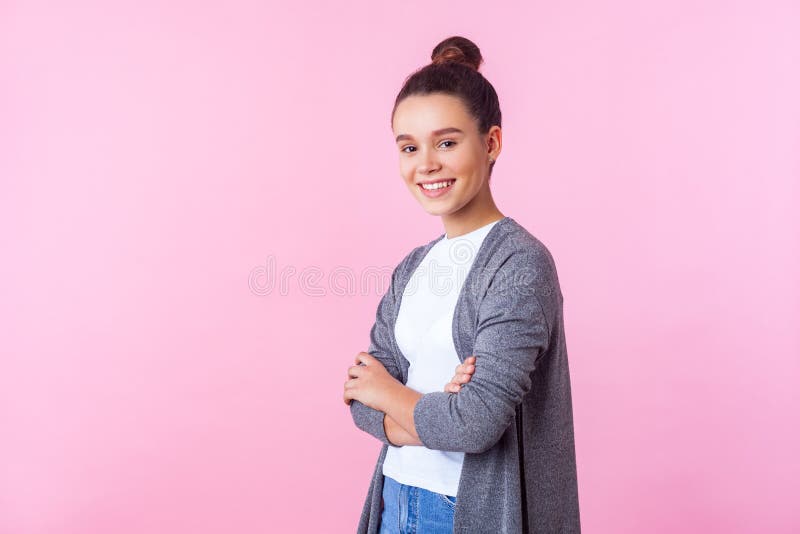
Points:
[(474, 215)]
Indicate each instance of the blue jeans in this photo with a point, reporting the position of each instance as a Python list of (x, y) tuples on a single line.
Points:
[(413, 510)]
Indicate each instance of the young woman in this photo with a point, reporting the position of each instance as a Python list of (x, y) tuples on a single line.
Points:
[(490, 449)]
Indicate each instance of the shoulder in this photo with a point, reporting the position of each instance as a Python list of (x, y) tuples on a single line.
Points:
[(521, 274), (405, 268), (416, 255), (514, 251)]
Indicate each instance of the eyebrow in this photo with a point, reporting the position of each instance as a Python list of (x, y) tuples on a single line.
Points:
[(435, 133)]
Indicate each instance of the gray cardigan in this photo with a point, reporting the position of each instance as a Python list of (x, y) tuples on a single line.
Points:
[(513, 420)]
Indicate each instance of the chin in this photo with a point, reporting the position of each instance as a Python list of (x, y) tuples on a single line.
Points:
[(437, 210)]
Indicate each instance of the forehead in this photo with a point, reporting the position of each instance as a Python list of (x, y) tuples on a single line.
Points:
[(419, 115)]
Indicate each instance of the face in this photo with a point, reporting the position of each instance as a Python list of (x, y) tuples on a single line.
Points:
[(439, 143)]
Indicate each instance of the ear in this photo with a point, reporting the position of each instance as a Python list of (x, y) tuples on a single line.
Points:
[(494, 141)]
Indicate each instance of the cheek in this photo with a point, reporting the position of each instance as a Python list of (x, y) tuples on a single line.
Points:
[(406, 171), (463, 164)]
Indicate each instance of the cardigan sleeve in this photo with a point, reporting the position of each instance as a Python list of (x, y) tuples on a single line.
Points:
[(366, 418), (512, 333)]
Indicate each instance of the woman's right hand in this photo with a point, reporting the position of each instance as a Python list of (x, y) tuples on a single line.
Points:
[(463, 375)]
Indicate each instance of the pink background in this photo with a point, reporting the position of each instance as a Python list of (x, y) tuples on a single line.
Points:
[(156, 155)]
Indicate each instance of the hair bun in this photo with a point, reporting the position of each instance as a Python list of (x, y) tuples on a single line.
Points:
[(457, 49)]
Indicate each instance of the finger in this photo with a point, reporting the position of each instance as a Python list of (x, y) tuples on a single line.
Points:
[(354, 371), (467, 363), (350, 386), (365, 357), (347, 396)]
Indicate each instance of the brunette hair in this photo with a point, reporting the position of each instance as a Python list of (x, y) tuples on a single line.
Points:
[(454, 71)]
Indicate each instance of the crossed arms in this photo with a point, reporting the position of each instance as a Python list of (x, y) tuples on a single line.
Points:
[(512, 333)]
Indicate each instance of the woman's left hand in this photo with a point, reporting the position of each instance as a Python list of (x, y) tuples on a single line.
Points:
[(369, 383), (463, 375)]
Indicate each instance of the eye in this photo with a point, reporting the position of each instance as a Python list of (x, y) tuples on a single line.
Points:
[(407, 146), (448, 141)]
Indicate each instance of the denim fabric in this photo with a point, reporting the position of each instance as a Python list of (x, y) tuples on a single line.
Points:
[(413, 510)]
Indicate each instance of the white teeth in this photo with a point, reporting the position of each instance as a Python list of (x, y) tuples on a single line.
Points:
[(438, 185)]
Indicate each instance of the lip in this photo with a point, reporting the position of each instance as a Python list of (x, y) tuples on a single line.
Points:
[(436, 193)]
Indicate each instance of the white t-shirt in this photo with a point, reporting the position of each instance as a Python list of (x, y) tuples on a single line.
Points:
[(424, 333)]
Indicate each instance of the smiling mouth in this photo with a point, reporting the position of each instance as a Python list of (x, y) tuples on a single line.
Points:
[(437, 189), (435, 186)]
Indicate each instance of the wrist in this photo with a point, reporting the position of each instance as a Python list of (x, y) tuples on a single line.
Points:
[(390, 392)]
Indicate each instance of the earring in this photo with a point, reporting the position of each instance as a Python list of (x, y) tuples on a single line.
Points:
[(491, 160)]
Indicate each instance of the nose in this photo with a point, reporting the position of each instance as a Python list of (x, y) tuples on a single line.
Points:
[(428, 162)]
